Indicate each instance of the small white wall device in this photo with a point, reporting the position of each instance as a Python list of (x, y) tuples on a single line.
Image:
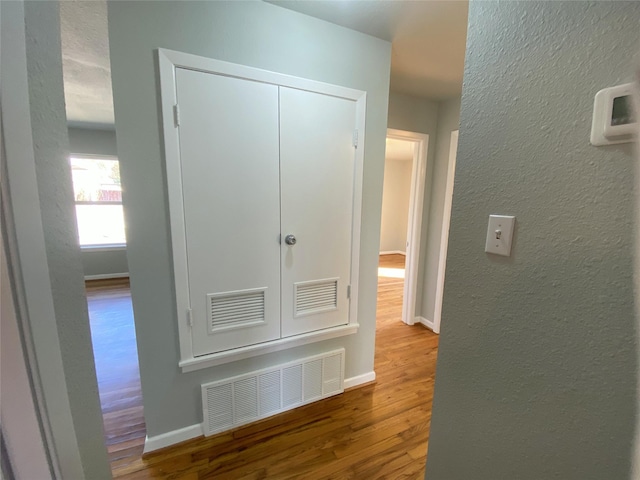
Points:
[(500, 234), (614, 120)]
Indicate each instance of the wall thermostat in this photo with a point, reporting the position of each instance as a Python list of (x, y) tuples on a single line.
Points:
[(614, 120)]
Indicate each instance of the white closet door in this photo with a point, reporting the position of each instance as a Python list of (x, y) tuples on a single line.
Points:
[(317, 160), (230, 183)]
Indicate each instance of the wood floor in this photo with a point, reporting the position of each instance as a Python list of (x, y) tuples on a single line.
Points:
[(116, 357), (378, 431)]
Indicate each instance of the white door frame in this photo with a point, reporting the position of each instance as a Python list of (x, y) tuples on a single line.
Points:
[(446, 222), (414, 227), (26, 259)]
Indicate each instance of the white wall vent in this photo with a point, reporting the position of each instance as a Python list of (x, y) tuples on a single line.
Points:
[(236, 309), (246, 398), (315, 297)]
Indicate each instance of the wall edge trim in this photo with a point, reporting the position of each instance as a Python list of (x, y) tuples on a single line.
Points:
[(106, 276), (171, 438), (359, 379), (427, 323)]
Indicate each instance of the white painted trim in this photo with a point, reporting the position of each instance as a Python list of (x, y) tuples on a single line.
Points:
[(358, 179), (168, 61), (93, 156), (414, 229), (171, 438), (426, 322), (26, 253), (359, 379), (393, 252), (219, 358), (211, 65), (444, 239), (103, 248), (106, 276)]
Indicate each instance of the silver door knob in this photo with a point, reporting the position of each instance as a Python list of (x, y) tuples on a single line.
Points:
[(290, 239)]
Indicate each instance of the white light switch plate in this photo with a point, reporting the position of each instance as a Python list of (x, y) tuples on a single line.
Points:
[(500, 234)]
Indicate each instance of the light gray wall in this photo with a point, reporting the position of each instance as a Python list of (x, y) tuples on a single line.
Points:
[(448, 121), (260, 35), (98, 261), (395, 205), (415, 114), (536, 366), (44, 68)]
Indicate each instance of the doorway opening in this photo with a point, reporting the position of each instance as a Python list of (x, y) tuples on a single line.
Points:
[(101, 232), (401, 223), (116, 360)]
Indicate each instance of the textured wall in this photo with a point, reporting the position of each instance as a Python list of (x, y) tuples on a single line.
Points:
[(259, 35), (448, 121), (415, 114), (395, 205), (536, 369), (44, 67), (96, 261)]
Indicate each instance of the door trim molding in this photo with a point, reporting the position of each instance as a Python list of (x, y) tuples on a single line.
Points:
[(168, 61), (446, 222), (26, 257), (213, 359), (414, 229)]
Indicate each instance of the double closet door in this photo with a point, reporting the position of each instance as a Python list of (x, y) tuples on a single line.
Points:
[(267, 183)]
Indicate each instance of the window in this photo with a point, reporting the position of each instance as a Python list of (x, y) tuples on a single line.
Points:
[(98, 196)]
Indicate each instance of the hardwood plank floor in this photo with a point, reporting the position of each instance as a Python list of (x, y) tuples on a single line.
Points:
[(376, 431), (116, 358)]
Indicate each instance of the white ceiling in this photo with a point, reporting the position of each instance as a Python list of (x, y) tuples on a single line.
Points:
[(428, 38), (399, 149), (85, 62), (428, 46)]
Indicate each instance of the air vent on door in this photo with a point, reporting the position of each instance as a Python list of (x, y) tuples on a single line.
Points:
[(236, 309), (316, 296), (239, 400)]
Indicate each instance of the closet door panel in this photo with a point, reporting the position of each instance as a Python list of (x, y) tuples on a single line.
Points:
[(228, 136), (317, 160)]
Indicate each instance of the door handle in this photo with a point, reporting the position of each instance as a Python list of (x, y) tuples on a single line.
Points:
[(290, 240)]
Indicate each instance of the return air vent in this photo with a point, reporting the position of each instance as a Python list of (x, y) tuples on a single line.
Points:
[(237, 309), (316, 296), (239, 400)]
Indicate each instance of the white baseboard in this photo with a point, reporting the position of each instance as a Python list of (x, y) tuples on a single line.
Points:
[(393, 252), (105, 276), (187, 433), (171, 438), (359, 379), (426, 322)]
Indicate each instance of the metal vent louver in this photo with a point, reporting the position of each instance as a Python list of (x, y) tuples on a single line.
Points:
[(312, 380), (219, 407), (316, 296), (239, 400), (236, 309), (292, 386), (246, 399)]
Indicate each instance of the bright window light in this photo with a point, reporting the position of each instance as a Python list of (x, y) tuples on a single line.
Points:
[(391, 272), (98, 196)]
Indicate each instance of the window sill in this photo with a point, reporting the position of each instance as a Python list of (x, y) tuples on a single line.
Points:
[(114, 247), (236, 354)]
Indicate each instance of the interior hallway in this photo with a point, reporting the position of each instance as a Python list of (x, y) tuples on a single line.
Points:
[(375, 431)]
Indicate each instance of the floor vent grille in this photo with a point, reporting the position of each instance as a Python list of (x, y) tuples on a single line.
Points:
[(243, 399)]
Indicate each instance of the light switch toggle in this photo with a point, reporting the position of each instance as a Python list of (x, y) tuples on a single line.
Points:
[(499, 234)]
